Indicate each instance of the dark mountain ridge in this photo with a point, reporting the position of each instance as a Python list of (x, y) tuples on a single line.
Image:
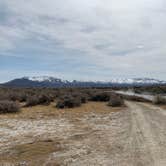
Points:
[(45, 81)]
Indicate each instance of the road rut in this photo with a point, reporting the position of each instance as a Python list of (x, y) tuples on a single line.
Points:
[(147, 136)]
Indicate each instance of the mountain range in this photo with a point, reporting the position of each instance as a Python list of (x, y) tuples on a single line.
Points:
[(46, 81)]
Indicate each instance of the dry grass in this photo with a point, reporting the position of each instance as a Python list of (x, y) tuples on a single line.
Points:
[(33, 153), (36, 150), (163, 106), (41, 111)]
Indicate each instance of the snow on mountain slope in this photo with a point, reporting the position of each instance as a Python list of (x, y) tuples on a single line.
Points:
[(118, 80), (46, 79), (39, 79), (137, 80)]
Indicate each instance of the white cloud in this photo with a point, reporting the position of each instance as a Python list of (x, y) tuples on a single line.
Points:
[(123, 36)]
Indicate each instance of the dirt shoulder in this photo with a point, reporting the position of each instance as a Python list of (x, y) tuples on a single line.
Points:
[(38, 135)]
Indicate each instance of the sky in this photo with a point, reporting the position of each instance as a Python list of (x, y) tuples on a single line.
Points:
[(83, 39)]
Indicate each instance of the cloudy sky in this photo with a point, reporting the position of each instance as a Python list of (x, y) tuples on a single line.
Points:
[(83, 39)]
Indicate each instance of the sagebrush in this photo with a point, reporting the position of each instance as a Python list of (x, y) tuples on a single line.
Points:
[(8, 107)]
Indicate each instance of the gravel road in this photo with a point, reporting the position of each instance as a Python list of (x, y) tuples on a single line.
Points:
[(147, 141)]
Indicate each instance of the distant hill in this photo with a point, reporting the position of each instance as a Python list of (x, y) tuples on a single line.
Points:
[(45, 81)]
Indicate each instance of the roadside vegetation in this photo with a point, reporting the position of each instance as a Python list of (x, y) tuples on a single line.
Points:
[(63, 97), (116, 101), (160, 89), (159, 100), (11, 98), (7, 106)]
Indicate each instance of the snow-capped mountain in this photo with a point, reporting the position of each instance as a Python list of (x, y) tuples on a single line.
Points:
[(115, 80), (45, 81)]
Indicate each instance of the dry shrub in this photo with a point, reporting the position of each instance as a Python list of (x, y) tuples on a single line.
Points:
[(159, 100), (44, 99), (22, 97), (3, 96), (8, 107), (12, 95), (115, 101), (79, 96), (68, 102), (37, 100), (84, 98), (32, 101), (100, 96)]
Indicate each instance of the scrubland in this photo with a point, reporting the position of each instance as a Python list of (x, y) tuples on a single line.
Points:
[(80, 126)]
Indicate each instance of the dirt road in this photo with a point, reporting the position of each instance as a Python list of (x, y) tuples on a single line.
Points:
[(132, 136), (147, 141)]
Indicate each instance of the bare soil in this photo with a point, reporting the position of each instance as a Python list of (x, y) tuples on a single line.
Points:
[(93, 134)]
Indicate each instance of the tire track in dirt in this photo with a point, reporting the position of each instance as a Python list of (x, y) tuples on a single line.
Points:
[(145, 136)]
